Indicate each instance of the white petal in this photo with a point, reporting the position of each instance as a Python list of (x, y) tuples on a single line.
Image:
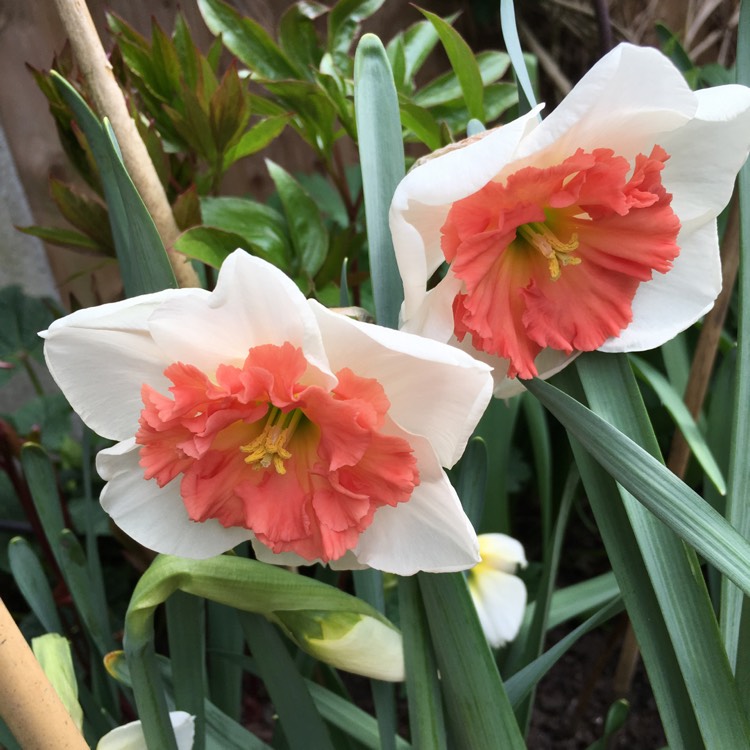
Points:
[(434, 389), (101, 356), (422, 200), (501, 552), (156, 517), (130, 736), (631, 96), (707, 153), (429, 532), (500, 600), (671, 302), (254, 303)]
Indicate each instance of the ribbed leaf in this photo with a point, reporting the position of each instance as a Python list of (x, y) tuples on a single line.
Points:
[(480, 714), (381, 153), (144, 265)]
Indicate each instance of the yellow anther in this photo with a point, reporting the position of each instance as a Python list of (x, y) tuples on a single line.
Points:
[(556, 251), (269, 448)]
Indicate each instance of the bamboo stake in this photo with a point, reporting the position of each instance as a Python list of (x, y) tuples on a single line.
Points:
[(29, 704), (110, 102)]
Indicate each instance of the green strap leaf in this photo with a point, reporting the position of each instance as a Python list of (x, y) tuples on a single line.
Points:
[(669, 499), (480, 714), (381, 152), (143, 261), (526, 98), (463, 62)]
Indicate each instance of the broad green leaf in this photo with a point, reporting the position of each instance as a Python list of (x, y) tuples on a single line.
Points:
[(463, 63), (257, 138), (63, 238), (187, 53), (381, 154), (144, 265), (343, 23), (477, 705), (52, 651), (397, 59), (209, 245), (164, 60), (421, 122), (471, 485), (498, 98), (683, 419), (298, 37), (246, 39), (308, 233), (526, 98), (89, 216), (447, 87), (229, 111)]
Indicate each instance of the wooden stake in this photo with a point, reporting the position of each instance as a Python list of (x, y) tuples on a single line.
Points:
[(110, 102), (29, 704)]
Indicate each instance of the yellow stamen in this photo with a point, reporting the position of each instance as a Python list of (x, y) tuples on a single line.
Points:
[(550, 246), (269, 448)]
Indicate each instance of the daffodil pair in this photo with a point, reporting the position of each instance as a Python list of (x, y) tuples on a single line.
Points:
[(252, 413)]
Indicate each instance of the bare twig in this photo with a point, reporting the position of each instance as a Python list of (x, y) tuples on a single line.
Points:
[(110, 102)]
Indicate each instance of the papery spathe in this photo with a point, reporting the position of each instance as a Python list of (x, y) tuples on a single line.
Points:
[(130, 736)]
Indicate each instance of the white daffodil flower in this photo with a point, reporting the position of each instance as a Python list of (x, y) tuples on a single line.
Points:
[(592, 230), (250, 412), (499, 595)]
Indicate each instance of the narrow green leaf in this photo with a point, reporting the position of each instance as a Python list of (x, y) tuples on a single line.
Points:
[(674, 570), (683, 419), (422, 685), (89, 600), (40, 476), (523, 682), (354, 721), (89, 216), (309, 235), (576, 600), (541, 446), (186, 627), (738, 497), (300, 721), (32, 583), (463, 62), (677, 362), (480, 714), (225, 646), (246, 39), (447, 87), (675, 707), (527, 100), (381, 152), (669, 499), (471, 485), (143, 262)]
